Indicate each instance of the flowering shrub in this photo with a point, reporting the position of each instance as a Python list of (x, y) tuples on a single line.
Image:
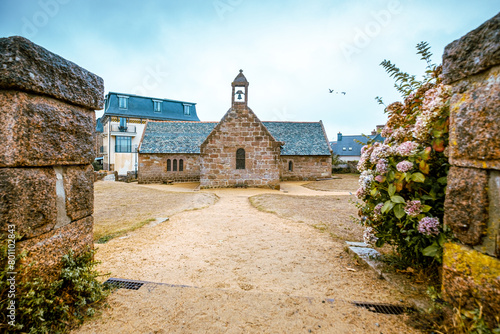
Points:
[(403, 180)]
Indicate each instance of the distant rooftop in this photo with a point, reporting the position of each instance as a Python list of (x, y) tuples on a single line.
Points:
[(349, 145), (135, 106)]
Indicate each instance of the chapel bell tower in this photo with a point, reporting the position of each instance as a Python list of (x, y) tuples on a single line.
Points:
[(240, 90)]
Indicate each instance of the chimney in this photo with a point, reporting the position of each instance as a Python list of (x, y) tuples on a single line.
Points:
[(374, 133), (339, 136)]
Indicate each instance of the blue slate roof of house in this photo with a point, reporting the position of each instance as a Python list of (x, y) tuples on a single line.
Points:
[(348, 145), (300, 138), (98, 125), (143, 107)]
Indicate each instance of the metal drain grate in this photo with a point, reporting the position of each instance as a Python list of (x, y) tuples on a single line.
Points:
[(121, 283), (382, 308)]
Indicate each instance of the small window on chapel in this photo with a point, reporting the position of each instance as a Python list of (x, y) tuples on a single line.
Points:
[(181, 165), (169, 165), (240, 159), (290, 166), (175, 165)]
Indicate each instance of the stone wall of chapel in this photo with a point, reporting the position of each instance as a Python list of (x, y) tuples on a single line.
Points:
[(240, 128), (153, 168), (305, 167)]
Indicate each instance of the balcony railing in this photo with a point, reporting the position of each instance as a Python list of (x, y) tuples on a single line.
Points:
[(120, 130)]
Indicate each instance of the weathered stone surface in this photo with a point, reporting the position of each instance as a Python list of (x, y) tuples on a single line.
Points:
[(47, 250), (28, 200), (490, 244), (218, 153), (41, 131), (474, 121), (470, 277), (475, 52), (28, 67), (79, 190), (466, 204)]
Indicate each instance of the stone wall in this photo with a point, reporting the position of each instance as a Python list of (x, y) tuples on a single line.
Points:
[(46, 179), (471, 267), (305, 167), (153, 168), (240, 128)]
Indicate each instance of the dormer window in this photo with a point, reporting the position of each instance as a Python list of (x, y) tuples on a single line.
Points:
[(187, 109), (344, 149), (350, 148), (157, 105), (122, 102)]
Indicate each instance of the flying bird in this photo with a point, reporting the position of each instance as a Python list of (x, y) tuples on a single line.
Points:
[(343, 93), (331, 90)]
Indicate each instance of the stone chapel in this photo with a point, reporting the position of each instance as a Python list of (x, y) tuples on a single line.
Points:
[(238, 151)]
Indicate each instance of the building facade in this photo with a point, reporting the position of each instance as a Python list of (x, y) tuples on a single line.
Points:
[(124, 121), (348, 148), (240, 150)]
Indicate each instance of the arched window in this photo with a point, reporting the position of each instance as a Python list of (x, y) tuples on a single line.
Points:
[(175, 165), (240, 158), (169, 165), (290, 166), (181, 165)]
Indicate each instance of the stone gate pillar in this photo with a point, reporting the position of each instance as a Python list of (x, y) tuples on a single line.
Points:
[(471, 267), (47, 123)]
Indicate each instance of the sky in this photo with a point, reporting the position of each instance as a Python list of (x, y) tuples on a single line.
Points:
[(292, 52)]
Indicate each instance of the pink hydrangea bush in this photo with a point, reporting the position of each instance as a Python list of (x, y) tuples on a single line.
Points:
[(403, 180)]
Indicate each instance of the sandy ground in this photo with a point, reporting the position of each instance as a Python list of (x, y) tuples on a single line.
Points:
[(248, 271)]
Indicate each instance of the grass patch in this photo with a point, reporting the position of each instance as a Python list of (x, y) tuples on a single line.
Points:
[(123, 207), (330, 214), (105, 238)]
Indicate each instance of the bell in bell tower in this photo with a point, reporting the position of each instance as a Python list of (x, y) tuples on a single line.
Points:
[(240, 90)]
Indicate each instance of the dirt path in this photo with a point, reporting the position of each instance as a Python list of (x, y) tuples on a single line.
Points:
[(256, 273)]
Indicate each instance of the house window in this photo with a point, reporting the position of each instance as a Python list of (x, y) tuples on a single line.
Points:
[(290, 166), (175, 165), (157, 105), (123, 145), (240, 159), (344, 149), (350, 148), (181, 165), (123, 124), (169, 165), (123, 102), (187, 109)]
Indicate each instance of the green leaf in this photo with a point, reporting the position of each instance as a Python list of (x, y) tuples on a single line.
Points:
[(408, 176), (399, 211), (441, 240), (443, 180), (392, 189), (431, 250), (374, 192), (387, 206), (426, 208), (380, 242), (418, 177), (397, 199)]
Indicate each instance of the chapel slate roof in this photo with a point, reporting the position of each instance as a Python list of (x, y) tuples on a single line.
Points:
[(142, 107), (175, 137), (300, 138)]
